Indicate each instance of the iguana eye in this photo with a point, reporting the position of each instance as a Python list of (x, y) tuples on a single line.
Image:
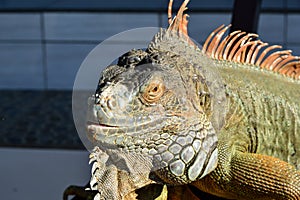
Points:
[(153, 91)]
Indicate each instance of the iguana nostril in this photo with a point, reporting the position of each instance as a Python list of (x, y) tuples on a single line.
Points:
[(101, 101)]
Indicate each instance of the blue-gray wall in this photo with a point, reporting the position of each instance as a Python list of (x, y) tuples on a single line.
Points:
[(44, 49)]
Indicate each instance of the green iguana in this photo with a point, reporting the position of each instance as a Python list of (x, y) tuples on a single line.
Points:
[(224, 119)]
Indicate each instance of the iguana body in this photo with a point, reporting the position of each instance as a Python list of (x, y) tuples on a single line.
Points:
[(263, 118), (212, 118)]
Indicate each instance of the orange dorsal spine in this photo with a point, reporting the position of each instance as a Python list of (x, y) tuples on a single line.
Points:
[(238, 46)]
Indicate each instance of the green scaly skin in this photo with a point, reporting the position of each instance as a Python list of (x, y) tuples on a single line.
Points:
[(259, 145)]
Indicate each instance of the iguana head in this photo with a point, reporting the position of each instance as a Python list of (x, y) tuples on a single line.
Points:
[(159, 102)]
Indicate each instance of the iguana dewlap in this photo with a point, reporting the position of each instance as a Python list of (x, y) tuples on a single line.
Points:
[(225, 119)]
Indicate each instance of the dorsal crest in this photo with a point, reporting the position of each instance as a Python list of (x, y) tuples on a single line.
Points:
[(246, 48), (238, 46), (180, 22), (176, 35)]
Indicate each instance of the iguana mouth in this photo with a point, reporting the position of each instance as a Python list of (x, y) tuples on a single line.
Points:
[(104, 135), (89, 123), (110, 130), (114, 136)]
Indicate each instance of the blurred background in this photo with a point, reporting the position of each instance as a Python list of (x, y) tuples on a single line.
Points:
[(42, 45)]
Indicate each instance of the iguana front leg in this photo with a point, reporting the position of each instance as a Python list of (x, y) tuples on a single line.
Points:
[(242, 175)]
